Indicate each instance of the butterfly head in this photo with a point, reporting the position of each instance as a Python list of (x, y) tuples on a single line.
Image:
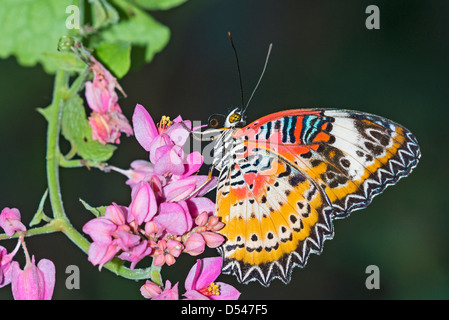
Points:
[(235, 118)]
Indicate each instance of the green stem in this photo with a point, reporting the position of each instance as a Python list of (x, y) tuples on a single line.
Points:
[(79, 163), (155, 274), (46, 229), (54, 127), (78, 83)]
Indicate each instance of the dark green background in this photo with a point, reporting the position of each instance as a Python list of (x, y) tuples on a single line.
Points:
[(322, 56)]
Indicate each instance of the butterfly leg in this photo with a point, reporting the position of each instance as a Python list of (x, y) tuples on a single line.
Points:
[(209, 178)]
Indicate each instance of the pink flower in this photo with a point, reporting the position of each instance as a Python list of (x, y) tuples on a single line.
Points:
[(5, 265), (164, 143), (166, 252), (166, 197), (33, 283), (195, 244), (150, 290), (169, 293), (141, 171), (107, 235), (107, 127), (204, 234), (213, 240), (174, 217), (200, 205), (107, 120), (117, 214), (10, 221), (100, 254), (200, 283), (136, 253), (143, 206), (100, 230), (100, 93), (144, 128)]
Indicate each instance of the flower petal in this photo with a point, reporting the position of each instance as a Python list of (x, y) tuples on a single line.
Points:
[(10, 221), (178, 133), (193, 163), (144, 128), (178, 190), (117, 214), (27, 284), (195, 244), (168, 293), (213, 240), (150, 290), (100, 254), (143, 206), (199, 205), (173, 218), (227, 292), (47, 267), (169, 160), (194, 295), (210, 269), (100, 230)]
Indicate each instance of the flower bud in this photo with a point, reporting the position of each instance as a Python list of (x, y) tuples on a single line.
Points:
[(195, 244), (213, 240), (150, 290), (116, 214), (150, 228), (202, 219), (220, 225), (213, 220), (10, 221)]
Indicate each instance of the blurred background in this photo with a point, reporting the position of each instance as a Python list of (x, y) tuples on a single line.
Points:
[(323, 56)]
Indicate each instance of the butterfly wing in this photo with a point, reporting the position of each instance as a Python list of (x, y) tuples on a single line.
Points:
[(294, 171)]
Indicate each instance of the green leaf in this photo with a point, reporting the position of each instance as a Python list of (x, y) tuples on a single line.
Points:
[(139, 29), (103, 14), (45, 111), (76, 129), (40, 215), (96, 211), (64, 60), (115, 56), (29, 28), (158, 4)]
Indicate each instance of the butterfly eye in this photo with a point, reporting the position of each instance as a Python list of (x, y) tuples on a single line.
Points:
[(236, 117)]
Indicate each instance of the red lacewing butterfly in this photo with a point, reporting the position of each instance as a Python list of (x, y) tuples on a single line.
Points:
[(285, 177)]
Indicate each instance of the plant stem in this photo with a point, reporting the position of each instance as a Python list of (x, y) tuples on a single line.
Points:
[(54, 126), (46, 229)]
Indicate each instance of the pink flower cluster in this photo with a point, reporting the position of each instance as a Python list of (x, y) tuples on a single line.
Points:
[(200, 284), (106, 120), (32, 283), (168, 214)]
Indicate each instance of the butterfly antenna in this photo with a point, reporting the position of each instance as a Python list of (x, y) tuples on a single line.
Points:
[(261, 76), (238, 68)]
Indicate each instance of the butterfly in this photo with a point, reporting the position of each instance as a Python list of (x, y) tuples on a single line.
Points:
[(285, 177)]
